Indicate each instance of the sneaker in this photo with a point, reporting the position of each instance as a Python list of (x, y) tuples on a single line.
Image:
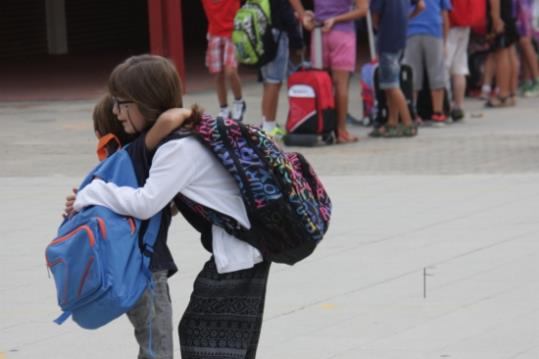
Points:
[(485, 92), (277, 132), (457, 114), (356, 121), (439, 119), (238, 110), (532, 91), (525, 88), (224, 113)]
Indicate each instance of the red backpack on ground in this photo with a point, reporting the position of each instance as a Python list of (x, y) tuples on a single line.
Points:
[(469, 13), (312, 107), (311, 113)]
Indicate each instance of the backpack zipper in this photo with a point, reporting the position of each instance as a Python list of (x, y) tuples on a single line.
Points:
[(91, 237)]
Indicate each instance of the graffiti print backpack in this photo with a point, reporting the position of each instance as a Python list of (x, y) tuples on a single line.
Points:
[(287, 205), (252, 35), (96, 259)]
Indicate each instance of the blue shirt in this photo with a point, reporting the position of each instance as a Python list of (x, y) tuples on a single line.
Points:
[(393, 16), (429, 21)]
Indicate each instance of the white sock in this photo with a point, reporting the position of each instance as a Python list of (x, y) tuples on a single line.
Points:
[(267, 125)]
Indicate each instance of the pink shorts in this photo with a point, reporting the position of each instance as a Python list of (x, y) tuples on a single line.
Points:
[(221, 53), (339, 50)]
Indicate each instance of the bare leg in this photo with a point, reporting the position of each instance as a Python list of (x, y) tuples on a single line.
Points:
[(488, 76), (437, 96), (504, 78), (270, 101), (340, 80), (459, 88), (529, 57), (503, 71), (220, 87), (234, 81), (397, 107), (515, 64)]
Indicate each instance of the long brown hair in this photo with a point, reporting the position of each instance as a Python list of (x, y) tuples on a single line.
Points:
[(150, 81), (153, 83)]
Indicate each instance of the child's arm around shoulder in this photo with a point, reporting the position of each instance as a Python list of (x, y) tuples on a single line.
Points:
[(165, 124)]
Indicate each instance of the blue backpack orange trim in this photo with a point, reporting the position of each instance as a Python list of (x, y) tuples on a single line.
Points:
[(99, 259)]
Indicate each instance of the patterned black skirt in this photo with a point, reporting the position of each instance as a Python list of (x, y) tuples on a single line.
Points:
[(224, 315)]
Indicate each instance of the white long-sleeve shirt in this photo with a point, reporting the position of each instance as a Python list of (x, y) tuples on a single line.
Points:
[(186, 166)]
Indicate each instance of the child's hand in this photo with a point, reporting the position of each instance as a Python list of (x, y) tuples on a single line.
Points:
[(308, 20), (328, 24), (498, 25), (178, 115), (70, 201)]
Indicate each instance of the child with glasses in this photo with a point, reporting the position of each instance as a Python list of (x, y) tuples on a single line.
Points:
[(224, 315)]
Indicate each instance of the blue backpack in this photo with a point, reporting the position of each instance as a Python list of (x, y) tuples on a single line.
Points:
[(96, 259)]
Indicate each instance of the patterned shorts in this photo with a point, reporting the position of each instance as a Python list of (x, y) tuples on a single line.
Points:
[(221, 53)]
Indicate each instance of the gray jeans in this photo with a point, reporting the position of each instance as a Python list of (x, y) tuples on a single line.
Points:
[(154, 310)]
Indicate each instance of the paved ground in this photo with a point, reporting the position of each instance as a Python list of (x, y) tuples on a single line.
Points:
[(433, 249)]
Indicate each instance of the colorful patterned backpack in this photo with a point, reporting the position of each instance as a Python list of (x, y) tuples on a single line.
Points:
[(286, 203)]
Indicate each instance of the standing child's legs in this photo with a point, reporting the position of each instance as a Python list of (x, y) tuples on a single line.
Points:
[(273, 74), (506, 65), (239, 106), (503, 72), (339, 55), (224, 315), (457, 67), (152, 319), (436, 70), (220, 87), (396, 102), (270, 102), (502, 58), (515, 65), (413, 57), (215, 62), (221, 62), (233, 78), (488, 76), (529, 58), (341, 80)]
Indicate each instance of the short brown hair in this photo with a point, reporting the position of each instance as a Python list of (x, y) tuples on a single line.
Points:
[(150, 81), (105, 121)]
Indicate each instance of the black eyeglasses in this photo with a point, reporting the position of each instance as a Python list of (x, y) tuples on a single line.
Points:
[(116, 102)]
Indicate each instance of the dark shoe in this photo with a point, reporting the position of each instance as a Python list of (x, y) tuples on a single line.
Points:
[(409, 131), (457, 114)]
